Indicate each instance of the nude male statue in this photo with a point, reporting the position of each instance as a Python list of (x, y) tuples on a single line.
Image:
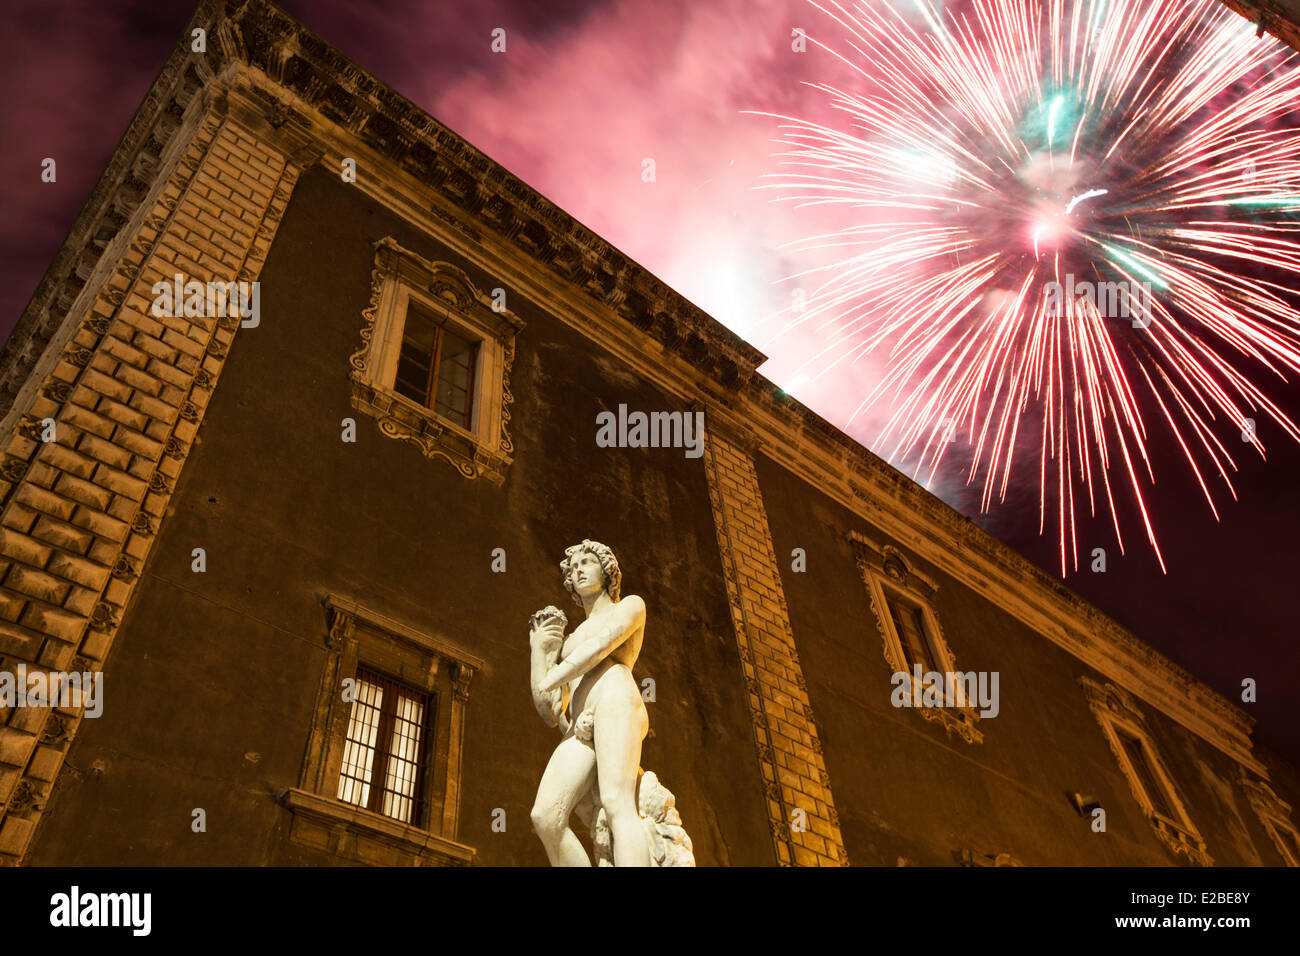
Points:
[(598, 759)]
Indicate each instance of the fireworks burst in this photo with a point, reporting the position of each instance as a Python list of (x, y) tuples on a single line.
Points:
[(1076, 227)]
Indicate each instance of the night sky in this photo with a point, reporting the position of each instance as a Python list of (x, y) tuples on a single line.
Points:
[(584, 92)]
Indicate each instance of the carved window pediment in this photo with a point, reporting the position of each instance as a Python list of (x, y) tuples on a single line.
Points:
[(404, 284)]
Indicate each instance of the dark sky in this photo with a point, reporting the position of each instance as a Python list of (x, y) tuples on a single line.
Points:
[(585, 91)]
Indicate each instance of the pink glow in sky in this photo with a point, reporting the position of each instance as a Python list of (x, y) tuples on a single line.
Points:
[(577, 116)]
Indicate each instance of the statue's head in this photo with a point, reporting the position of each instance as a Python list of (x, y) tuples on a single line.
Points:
[(578, 558)]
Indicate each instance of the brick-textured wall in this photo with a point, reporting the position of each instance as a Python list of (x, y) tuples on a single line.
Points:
[(789, 748), (80, 512)]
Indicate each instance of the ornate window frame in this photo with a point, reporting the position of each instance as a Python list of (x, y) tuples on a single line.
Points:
[(399, 277), (360, 637), (884, 569), (1275, 814), (1116, 710)]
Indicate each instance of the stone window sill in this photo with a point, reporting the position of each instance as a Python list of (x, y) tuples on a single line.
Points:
[(336, 827)]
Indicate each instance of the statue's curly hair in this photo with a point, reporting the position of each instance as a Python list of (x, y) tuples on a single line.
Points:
[(608, 564)]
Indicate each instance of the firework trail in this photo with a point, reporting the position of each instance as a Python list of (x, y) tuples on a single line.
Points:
[(1076, 227)]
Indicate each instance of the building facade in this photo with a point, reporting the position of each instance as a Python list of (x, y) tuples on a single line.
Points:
[(302, 541)]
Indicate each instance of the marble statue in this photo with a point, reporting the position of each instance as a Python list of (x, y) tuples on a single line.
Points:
[(583, 685)]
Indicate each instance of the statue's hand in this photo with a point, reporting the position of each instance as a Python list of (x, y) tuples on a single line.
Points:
[(546, 636)]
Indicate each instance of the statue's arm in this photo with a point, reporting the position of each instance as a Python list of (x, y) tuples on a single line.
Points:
[(545, 649), (626, 617), (547, 702)]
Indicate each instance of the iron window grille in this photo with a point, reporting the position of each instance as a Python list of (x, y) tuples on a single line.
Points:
[(384, 754)]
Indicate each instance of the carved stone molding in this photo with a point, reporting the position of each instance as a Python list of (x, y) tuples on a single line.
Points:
[(27, 796), (55, 730), (1115, 710), (103, 616), (124, 569), (31, 428), (311, 77), (342, 623), (13, 469), (461, 675), (471, 194)]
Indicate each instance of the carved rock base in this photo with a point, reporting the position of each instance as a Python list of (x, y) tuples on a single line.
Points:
[(669, 843)]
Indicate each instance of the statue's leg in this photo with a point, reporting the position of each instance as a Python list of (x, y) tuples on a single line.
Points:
[(620, 725), (569, 775), (586, 809)]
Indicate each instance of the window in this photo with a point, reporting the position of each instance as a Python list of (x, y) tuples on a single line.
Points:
[(909, 625), (1151, 784), (902, 599), (381, 777), (1275, 814), (1140, 761), (434, 364), (383, 752)]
